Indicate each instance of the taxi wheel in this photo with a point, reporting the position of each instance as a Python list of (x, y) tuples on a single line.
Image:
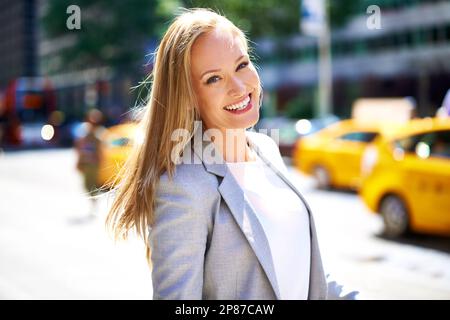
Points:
[(322, 177), (395, 216)]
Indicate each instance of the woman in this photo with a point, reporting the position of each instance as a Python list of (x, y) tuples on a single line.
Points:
[(213, 207)]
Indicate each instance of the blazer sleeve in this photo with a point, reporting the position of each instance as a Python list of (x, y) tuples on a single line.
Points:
[(178, 241)]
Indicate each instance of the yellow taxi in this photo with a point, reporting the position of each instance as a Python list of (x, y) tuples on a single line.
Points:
[(117, 143), (407, 178), (333, 155)]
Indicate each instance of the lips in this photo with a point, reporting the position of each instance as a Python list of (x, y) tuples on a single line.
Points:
[(247, 107)]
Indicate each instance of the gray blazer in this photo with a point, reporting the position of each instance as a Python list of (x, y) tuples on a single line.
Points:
[(207, 242)]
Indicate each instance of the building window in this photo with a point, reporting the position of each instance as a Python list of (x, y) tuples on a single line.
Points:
[(447, 33)]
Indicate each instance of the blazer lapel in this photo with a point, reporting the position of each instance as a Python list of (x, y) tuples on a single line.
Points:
[(248, 222), (245, 217)]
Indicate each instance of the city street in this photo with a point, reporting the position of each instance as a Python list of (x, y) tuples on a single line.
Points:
[(51, 249)]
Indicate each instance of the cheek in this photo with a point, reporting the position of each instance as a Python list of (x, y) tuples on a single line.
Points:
[(201, 94), (254, 81), (209, 99), (254, 77)]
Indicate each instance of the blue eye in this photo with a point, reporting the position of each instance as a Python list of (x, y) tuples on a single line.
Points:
[(213, 79), (242, 65)]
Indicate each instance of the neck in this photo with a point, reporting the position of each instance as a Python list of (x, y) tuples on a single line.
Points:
[(233, 146)]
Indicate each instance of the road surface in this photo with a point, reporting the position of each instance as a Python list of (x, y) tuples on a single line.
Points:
[(51, 249)]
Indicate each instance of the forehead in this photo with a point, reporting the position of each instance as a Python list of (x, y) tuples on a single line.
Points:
[(215, 50)]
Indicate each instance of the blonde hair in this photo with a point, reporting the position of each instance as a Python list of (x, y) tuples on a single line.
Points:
[(172, 105)]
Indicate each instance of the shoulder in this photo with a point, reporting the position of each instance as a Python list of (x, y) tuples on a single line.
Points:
[(190, 180), (186, 201)]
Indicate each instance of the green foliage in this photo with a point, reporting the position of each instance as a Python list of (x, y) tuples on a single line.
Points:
[(113, 32), (257, 18), (274, 18), (341, 10), (301, 107)]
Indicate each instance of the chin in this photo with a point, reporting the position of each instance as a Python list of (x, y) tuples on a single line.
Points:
[(248, 124), (253, 123)]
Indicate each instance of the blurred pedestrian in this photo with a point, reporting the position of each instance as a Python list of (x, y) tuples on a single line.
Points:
[(219, 219), (89, 154)]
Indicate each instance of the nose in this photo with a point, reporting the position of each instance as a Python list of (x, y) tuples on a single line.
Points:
[(237, 87)]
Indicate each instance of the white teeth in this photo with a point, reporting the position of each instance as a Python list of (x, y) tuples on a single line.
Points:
[(239, 106)]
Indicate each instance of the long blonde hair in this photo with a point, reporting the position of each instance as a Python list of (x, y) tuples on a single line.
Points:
[(172, 105)]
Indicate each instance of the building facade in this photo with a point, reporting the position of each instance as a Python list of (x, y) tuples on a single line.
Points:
[(18, 40), (408, 56)]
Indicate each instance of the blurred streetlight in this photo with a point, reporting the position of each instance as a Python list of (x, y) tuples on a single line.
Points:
[(47, 132), (303, 126)]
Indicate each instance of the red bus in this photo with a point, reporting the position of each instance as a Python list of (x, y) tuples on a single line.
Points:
[(28, 103)]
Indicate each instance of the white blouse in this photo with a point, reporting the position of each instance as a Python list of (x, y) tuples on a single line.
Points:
[(285, 221)]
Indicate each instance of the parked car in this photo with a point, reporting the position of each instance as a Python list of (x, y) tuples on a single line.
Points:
[(291, 130), (407, 178), (117, 143), (333, 155)]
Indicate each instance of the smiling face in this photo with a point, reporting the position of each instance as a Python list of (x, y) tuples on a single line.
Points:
[(225, 81)]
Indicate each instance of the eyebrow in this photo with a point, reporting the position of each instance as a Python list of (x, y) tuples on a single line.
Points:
[(216, 70)]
